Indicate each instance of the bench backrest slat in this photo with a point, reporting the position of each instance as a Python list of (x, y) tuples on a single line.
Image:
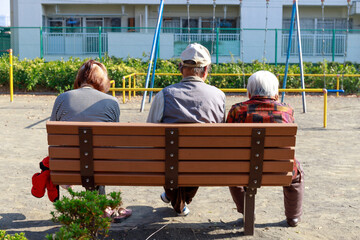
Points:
[(156, 129), (208, 154), (159, 166), (184, 154), (126, 179), (159, 141)]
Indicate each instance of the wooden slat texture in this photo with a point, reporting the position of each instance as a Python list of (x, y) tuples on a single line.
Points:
[(159, 154), (159, 166), (133, 154), (61, 178), (233, 154), (109, 153), (159, 141), (153, 129)]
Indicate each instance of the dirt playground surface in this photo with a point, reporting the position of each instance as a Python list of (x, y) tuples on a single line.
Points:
[(330, 158)]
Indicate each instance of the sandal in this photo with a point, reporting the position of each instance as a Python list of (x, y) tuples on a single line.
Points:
[(117, 215), (125, 212)]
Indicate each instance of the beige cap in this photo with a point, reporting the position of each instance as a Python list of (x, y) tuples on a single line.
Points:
[(197, 53)]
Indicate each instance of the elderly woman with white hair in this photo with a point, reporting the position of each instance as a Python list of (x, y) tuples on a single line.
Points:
[(263, 107)]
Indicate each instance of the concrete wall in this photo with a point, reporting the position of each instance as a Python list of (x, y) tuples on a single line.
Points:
[(128, 44), (353, 53)]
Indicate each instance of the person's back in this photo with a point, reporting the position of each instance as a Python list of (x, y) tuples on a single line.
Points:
[(261, 110), (263, 107), (88, 102), (189, 101), (85, 105)]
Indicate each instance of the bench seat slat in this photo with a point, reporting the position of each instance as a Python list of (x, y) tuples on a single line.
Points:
[(184, 154), (119, 179), (159, 141), (153, 129), (159, 166)]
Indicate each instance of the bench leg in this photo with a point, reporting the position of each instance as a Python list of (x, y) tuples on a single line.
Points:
[(249, 212)]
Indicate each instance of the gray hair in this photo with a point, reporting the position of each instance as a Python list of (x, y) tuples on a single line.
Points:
[(263, 83), (197, 71)]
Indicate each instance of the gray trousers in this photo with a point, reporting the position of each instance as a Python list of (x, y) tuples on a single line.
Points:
[(293, 197)]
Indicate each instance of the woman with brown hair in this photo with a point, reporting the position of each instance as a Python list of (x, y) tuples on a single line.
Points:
[(88, 102)]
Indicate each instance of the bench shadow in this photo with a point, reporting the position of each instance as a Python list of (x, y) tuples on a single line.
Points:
[(145, 223), (37, 123), (162, 223), (16, 223)]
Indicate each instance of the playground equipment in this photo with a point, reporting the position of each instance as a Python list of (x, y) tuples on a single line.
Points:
[(155, 46), (266, 29), (295, 11), (11, 75), (132, 89), (346, 42), (153, 54)]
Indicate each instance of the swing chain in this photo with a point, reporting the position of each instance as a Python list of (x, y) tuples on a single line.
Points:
[(242, 48), (266, 28), (323, 38), (213, 27), (188, 19)]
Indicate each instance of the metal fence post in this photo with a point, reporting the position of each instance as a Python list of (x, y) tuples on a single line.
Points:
[(41, 43), (11, 73), (333, 45), (100, 44), (217, 46), (276, 46)]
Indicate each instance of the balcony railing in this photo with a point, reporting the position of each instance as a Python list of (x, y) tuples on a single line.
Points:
[(316, 44), (74, 43), (205, 37)]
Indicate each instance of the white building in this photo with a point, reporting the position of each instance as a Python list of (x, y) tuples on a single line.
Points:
[(55, 28)]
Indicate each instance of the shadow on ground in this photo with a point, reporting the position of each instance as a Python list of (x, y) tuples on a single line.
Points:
[(16, 223), (161, 223)]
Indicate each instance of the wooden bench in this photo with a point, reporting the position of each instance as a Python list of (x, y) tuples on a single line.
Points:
[(173, 155)]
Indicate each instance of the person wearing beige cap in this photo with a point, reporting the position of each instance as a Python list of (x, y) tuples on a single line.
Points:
[(189, 101)]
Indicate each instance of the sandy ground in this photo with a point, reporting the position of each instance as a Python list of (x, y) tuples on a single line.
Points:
[(330, 158)]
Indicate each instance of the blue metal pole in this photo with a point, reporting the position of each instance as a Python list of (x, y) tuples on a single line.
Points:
[(154, 67), (289, 48), (300, 56), (152, 54), (335, 90)]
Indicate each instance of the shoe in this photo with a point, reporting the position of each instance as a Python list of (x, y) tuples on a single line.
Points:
[(123, 214), (292, 222), (164, 198), (184, 212), (117, 215)]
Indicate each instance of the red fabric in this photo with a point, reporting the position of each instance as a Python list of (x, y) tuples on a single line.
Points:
[(42, 182), (263, 110), (39, 182), (45, 161)]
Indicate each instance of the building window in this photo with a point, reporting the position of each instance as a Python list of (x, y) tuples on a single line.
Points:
[(171, 25), (55, 24), (73, 25), (194, 23), (93, 24), (112, 24)]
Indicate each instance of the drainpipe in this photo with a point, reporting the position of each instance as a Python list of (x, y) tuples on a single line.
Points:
[(146, 18)]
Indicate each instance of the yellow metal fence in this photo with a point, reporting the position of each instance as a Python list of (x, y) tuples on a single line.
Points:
[(132, 88)]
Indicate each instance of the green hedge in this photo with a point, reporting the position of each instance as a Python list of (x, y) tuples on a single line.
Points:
[(38, 75)]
